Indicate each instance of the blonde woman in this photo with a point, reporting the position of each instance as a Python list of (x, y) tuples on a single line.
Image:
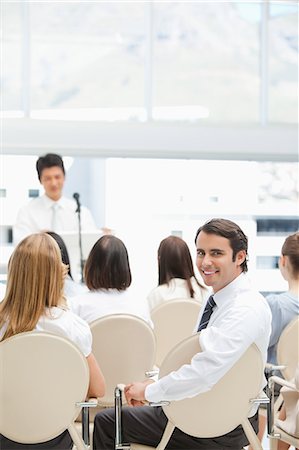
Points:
[(34, 301)]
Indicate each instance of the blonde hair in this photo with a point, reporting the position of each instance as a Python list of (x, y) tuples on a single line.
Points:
[(35, 282)]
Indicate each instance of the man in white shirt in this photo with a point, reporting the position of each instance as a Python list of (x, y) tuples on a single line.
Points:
[(51, 211), (240, 316)]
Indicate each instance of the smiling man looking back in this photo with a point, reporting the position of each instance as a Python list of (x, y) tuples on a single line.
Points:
[(240, 317)]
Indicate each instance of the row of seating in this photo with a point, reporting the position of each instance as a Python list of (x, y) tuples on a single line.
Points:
[(44, 380)]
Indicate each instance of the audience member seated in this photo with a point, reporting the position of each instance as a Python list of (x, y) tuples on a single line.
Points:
[(176, 274), (34, 301), (285, 306), (71, 288), (108, 277)]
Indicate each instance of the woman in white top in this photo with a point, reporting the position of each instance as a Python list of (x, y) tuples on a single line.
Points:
[(108, 276), (176, 274), (34, 301)]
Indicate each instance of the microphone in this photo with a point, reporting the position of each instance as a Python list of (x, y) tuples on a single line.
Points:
[(78, 210), (76, 197)]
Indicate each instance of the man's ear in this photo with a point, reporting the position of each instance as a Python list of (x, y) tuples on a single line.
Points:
[(241, 257)]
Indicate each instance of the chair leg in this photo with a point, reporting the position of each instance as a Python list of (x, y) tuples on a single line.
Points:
[(273, 443), (85, 425), (251, 436), (77, 440), (166, 436)]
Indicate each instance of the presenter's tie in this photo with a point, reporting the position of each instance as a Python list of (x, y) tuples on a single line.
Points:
[(54, 218), (207, 313)]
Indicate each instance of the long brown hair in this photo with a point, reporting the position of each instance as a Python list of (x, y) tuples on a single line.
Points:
[(34, 282), (174, 261)]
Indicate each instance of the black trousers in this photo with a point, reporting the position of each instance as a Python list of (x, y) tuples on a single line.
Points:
[(61, 442), (145, 425)]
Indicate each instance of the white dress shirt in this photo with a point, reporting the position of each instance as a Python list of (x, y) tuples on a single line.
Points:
[(37, 216), (65, 323), (103, 302), (241, 317), (177, 288)]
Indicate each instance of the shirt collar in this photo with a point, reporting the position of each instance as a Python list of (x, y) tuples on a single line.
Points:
[(228, 292), (48, 202)]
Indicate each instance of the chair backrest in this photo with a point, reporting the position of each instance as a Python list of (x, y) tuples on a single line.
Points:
[(288, 349), (173, 321), (42, 376), (124, 346), (226, 405)]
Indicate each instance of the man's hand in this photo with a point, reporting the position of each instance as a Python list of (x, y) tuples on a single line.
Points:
[(134, 392)]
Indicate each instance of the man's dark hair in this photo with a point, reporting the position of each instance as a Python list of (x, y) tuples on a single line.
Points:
[(229, 230), (49, 160)]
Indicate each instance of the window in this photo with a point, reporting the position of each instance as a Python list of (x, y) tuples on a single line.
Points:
[(12, 50), (276, 226), (188, 61), (201, 70), (267, 262), (87, 56), (283, 63)]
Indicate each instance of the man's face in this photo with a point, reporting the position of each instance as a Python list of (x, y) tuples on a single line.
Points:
[(52, 179), (215, 260)]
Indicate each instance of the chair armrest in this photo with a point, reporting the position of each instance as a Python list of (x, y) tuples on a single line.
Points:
[(161, 403), (271, 368), (152, 373), (262, 398), (91, 403), (282, 382), (270, 407)]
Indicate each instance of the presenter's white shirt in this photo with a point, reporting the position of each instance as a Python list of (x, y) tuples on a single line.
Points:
[(65, 323), (241, 317), (177, 288), (37, 216), (103, 302)]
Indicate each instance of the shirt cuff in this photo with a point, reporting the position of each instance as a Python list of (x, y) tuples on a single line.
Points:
[(153, 392)]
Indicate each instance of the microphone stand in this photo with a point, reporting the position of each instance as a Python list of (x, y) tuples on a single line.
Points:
[(78, 210)]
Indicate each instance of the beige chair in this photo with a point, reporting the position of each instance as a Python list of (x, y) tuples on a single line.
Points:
[(44, 380), (217, 412), (288, 349), (285, 430), (124, 346), (287, 359), (173, 321)]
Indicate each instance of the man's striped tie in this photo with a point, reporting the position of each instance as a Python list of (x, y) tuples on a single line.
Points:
[(207, 313)]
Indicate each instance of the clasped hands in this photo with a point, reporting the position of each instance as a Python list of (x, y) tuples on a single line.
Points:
[(134, 392)]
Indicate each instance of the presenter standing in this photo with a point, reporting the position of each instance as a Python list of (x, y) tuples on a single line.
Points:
[(52, 211)]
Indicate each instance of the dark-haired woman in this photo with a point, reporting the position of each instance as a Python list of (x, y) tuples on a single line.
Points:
[(108, 278), (176, 274)]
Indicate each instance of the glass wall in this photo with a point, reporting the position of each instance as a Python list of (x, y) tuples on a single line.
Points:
[(229, 62)]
